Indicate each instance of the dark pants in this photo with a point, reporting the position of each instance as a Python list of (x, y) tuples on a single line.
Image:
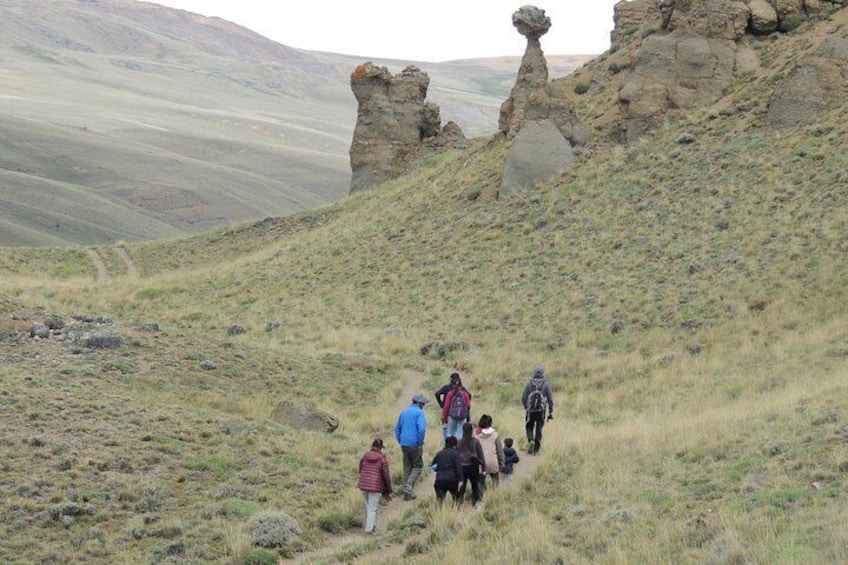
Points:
[(472, 475), (535, 421), (494, 478), (412, 466), (444, 487)]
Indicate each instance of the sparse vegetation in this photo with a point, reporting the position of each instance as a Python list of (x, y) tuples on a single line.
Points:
[(688, 300)]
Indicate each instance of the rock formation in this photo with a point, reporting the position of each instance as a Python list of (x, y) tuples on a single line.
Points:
[(817, 82), (395, 127), (538, 115), (692, 51)]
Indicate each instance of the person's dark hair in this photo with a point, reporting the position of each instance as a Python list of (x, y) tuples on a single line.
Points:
[(378, 443), (455, 379), (450, 441), (467, 441), (485, 421), (508, 442)]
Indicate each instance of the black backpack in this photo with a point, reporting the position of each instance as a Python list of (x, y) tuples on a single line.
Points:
[(536, 401), (458, 409)]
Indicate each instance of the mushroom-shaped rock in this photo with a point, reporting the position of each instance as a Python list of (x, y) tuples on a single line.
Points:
[(531, 22)]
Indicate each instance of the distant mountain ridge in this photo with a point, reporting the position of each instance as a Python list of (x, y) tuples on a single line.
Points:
[(123, 120)]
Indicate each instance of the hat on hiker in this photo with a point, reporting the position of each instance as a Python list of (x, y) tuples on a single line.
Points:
[(420, 399), (538, 372)]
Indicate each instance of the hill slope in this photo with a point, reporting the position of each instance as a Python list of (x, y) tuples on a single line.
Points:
[(159, 122), (686, 295)]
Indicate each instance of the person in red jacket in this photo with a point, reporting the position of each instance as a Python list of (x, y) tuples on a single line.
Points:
[(374, 481), (456, 410)]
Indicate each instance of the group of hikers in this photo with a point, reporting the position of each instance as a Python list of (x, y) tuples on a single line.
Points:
[(471, 456)]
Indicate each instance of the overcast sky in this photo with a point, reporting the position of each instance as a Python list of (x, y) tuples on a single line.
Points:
[(423, 30)]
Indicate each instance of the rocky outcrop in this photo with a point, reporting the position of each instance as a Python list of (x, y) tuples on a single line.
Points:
[(395, 126), (692, 51), (817, 83), (538, 115), (632, 18)]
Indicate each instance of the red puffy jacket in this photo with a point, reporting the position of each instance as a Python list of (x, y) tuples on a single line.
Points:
[(374, 473)]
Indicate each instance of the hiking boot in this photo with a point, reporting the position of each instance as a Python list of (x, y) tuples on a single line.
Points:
[(409, 496)]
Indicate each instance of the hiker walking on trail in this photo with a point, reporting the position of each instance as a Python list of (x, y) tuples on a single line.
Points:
[(448, 466), (537, 400), (409, 431), (445, 389), (492, 451), (510, 458), (456, 410), (375, 481), (471, 454)]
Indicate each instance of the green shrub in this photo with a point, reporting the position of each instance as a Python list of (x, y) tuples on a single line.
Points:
[(581, 87), (792, 22), (260, 557), (335, 522), (647, 32), (615, 68), (272, 528)]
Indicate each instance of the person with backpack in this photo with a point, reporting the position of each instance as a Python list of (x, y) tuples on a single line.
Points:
[(538, 400), (492, 452), (443, 392), (445, 389), (375, 481), (456, 410), (410, 430), (473, 460)]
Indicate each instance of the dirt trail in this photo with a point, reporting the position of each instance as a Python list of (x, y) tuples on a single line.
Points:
[(387, 551), (132, 270), (102, 271)]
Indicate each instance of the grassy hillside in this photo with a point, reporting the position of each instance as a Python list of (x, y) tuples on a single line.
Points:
[(160, 122), (688, 301)]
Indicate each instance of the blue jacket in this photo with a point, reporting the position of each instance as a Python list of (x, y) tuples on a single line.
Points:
[(411, 427)]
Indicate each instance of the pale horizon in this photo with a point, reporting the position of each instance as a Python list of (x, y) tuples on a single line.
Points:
[(440, 31)]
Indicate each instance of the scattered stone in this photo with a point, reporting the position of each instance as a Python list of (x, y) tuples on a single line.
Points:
[(772, 449), (236, 330), (303, 417), (103, 340), (271, 326), (40, 331), (54, 323), (208, 365)]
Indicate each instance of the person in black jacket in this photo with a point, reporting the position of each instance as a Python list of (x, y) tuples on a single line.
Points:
[(448, 466), (537, 399)]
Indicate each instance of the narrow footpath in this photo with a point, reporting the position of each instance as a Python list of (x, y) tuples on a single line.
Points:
[(387, 551)]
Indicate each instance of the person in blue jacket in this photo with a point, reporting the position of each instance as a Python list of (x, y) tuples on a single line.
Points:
[(410, 430)]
